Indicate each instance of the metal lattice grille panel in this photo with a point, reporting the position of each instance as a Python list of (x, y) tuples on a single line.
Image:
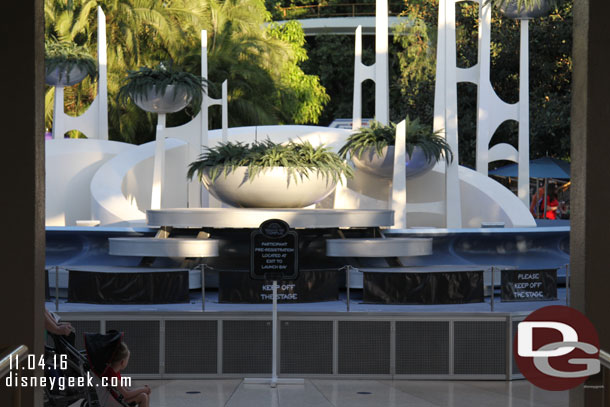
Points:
[(422, 347), (364, 347), (306, 347), (246, 347), (142, 338), (515, 369), (191, 346), (479, 347)]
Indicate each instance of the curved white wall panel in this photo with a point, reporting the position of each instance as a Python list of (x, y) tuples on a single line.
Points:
[(317, 135), (120, 190), (70, 166)]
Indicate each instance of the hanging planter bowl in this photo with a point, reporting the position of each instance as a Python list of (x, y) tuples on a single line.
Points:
[(155, 101), (272, 188), (60, 77), (383, 165)]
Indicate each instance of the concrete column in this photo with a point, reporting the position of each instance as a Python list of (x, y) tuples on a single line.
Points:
[(22, 183), (590, 151)]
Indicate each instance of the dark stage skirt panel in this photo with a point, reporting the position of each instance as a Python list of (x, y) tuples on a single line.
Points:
[(311, 286), (155, 286), (423, 288)]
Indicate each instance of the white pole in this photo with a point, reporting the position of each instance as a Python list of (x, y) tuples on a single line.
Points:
[(357, 104), (445, 108), (202, 194), (102, 82), (399, 182), (225, 112), (274, 381), (159, 164), (58, 110), (523, 182), (382, 83), (274, 336)]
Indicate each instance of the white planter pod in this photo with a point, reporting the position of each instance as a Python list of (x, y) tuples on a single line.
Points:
[(383, 166), (59, 76), (271, 188), (155, 101)]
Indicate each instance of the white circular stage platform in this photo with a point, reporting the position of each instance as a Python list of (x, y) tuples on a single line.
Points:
[(393, 247), (239, 218), (154, 247)]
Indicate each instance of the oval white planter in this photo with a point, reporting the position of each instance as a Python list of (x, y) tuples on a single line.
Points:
[(510, 10), (383, 166), (59, 77), (155, 102), (269, 189)]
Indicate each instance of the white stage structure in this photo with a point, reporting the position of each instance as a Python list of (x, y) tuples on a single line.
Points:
[(449, 197), (94, 122), (195, 133), (493, 111), (378, 72)]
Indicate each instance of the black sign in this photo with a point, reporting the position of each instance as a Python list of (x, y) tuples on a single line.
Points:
[(274, 252), (529, 285), (310, 286)]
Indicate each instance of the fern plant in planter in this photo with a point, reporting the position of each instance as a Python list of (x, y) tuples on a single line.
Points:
[(372, 149), (269, 175), (162, 89), (67, 64)]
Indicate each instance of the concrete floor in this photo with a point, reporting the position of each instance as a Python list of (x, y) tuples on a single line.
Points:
[(351, 393)]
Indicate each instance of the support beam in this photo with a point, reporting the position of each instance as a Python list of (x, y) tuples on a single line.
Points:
[(589, 196), (22, 184)]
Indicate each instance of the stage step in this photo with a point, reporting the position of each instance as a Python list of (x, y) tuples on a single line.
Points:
[(368, 247), (169, 247)]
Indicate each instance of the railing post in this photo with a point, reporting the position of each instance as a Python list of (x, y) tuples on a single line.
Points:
[(203, 287), (56, 288), (493, 289), (567, 284), (347, 270)]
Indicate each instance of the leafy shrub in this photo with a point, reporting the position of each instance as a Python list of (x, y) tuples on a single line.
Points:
[(300, 159), (379, 136), (137, 83), (66, 55)]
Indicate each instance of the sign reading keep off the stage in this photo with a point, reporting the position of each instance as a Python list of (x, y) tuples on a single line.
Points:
[(274, 252), (529, 285)]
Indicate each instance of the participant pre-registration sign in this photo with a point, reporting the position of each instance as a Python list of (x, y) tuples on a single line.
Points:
[(274, 251)]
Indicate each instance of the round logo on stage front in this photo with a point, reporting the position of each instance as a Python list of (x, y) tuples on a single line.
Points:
[(556, 348)]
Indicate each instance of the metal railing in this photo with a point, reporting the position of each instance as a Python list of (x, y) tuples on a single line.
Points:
[(336, 10), (604, 358), (8, 359)]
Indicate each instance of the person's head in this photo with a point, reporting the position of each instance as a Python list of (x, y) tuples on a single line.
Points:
[(120, 358)]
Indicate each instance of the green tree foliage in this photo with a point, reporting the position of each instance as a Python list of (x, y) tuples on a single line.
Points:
[(261, 67), (302, 96)]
